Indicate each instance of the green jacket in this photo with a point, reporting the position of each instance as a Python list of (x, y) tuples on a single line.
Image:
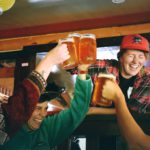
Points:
[(55, 129)]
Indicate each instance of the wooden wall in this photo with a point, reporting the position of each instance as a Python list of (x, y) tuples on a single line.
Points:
[(16, 44)]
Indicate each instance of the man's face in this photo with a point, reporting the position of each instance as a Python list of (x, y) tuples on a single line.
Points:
[(38, 115), (131, 63)]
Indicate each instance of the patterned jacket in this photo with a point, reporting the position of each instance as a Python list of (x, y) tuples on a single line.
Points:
[(139, 100)]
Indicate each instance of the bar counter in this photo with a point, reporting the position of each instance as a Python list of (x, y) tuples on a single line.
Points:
[(101, 131)]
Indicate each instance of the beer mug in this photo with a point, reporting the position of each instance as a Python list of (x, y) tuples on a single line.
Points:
[(97, 99), (76, 37), (87, 49), (72, 61)]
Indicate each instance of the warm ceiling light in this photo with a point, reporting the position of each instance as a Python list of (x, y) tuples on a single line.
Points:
[(118, 1), (6, 5)]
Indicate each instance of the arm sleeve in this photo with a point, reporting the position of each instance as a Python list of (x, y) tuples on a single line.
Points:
[(60, 126), (140, 97), (21, 105)]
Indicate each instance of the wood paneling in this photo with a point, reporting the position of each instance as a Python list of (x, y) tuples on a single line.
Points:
[(20, 42), (7, 72)]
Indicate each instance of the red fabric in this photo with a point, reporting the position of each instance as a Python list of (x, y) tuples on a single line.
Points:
[(21, 105), (136, 42)]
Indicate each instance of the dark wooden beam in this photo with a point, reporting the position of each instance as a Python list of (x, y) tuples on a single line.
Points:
[(18, 43)]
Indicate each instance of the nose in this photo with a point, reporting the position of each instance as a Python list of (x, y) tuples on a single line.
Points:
[(135, 59)]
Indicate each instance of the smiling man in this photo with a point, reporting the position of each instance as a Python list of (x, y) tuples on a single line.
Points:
[(134, 77), (38, 115), (132, 62), (131, 74)]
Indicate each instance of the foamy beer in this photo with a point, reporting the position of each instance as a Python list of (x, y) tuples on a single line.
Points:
[(73, 60), (87, 49), (97, 99), (76, 37)]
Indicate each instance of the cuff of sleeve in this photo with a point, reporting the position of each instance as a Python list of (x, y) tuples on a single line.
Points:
[(37, 79), (88, 77), (82, 71)]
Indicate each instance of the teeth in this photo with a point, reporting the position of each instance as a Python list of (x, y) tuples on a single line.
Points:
[(134, 66), (38, 120)]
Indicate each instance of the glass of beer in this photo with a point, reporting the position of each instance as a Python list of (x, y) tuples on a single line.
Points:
[(73, 60), (87, 49), (76, 37), (97, 99)]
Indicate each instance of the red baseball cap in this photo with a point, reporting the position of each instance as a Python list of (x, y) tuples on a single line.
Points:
[(136, 42)]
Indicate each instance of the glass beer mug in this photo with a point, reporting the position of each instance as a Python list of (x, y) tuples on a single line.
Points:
[(72, 61), (97, 99), (76, 37), (87, 49)]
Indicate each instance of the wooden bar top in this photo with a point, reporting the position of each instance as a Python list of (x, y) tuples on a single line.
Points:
[(106, 125)]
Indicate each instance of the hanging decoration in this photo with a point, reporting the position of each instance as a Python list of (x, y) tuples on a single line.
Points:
[(6, 5)]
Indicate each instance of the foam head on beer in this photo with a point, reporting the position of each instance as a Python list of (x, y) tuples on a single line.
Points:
[(106, 75)]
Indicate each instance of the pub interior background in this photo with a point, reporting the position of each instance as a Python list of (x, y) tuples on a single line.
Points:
[(96, 130), (32, 27)]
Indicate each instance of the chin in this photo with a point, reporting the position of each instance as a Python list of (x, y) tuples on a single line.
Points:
[(36, 127), (132, 74)]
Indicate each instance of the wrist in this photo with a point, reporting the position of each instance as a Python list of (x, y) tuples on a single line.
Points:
[(82, 71), (120, 99), (38, 79)]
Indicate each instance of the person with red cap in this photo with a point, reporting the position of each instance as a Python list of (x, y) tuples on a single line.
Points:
[(132, 88), (131, 74)]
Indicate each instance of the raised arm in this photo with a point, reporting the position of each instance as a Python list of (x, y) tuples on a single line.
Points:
[(133, 134), (60, 126), (101, 111), (21, 104)]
